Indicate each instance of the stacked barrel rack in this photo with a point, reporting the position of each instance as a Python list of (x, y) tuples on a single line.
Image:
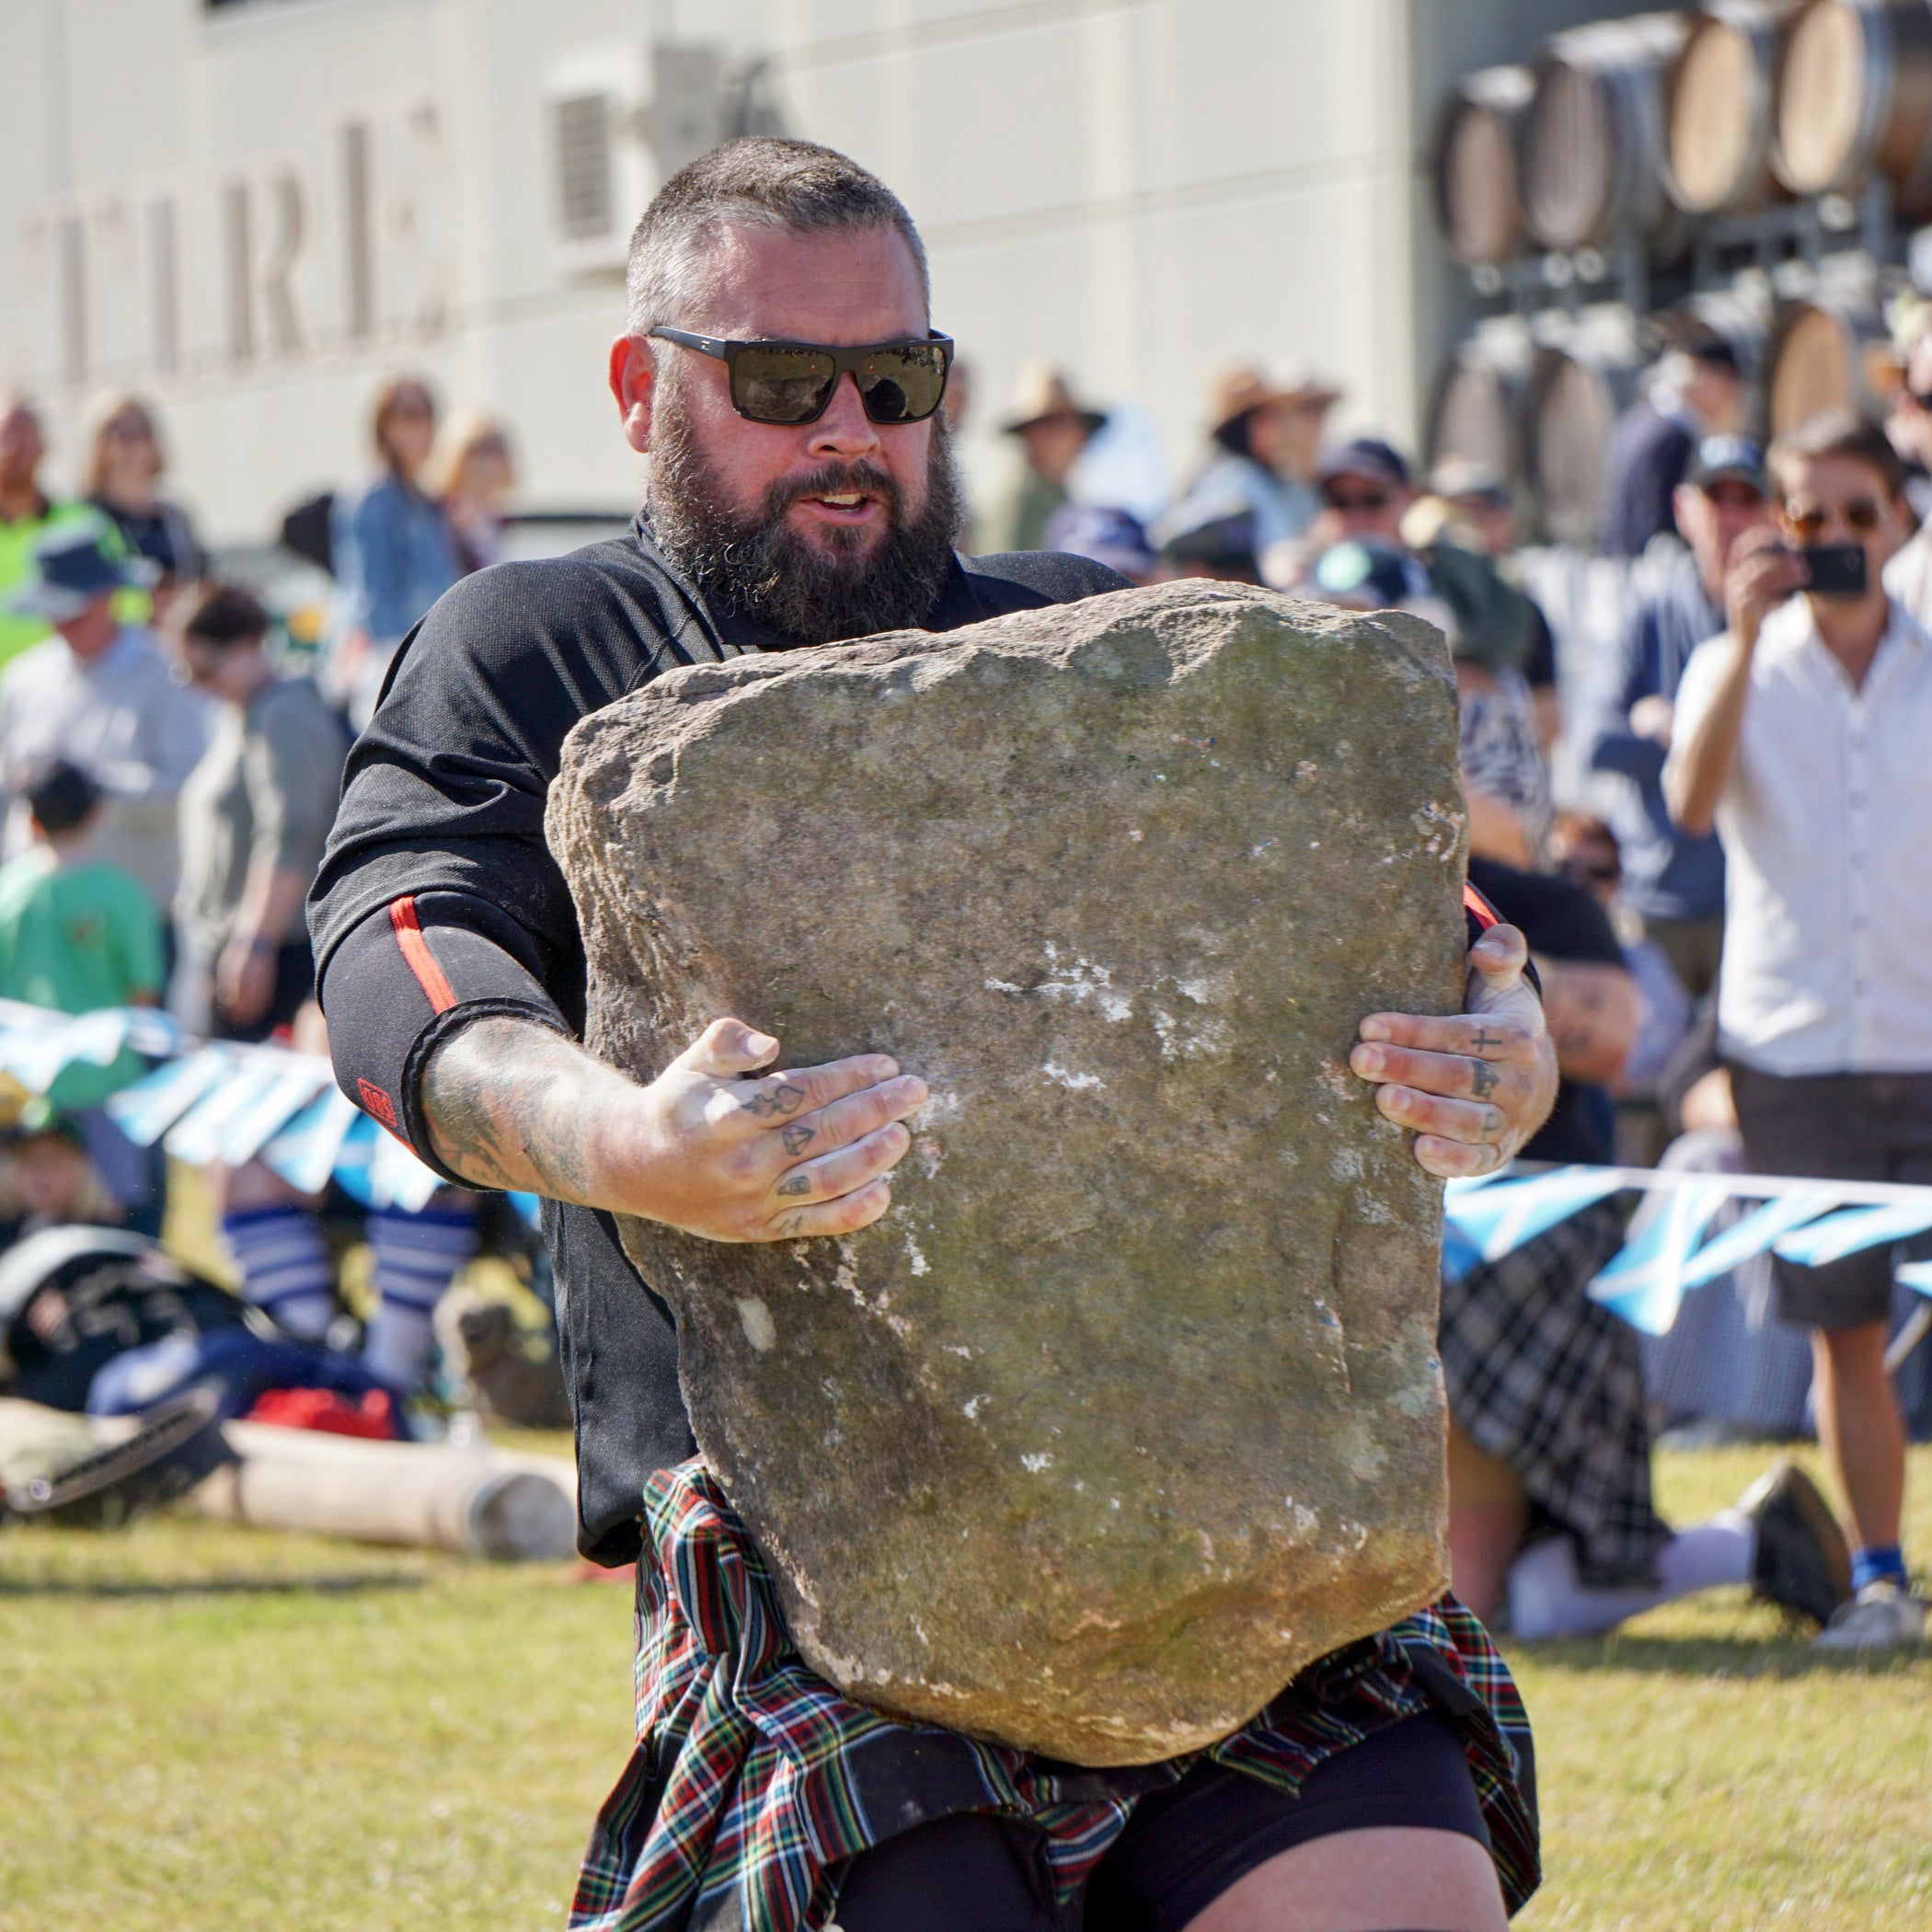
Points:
[(1761, 164)]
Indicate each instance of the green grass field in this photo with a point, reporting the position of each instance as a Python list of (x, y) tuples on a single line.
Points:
[(211, 1730)]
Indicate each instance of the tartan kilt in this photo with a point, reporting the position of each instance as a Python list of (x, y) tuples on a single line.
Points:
[(1551, 1382), (755, 1781)]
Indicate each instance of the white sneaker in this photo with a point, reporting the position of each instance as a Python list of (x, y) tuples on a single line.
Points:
[(1881, 1617)]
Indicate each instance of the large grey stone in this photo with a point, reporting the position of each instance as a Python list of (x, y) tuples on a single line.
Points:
[(1129, 1407)]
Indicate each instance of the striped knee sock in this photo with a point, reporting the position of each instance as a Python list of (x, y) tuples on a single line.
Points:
[(284, 1267), (417, 1257)]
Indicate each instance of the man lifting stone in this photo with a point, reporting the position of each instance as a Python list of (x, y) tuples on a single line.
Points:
[(779, 369)]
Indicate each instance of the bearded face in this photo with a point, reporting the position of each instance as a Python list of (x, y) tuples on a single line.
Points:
[(748, 559)]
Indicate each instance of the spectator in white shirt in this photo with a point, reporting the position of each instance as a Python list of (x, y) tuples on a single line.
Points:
[(101, 695), (1804, 734)]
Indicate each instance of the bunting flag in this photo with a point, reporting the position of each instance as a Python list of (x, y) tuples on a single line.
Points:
[(233, 1104), (1666, 1254), (1644, 1284), (1495, 1216), (218, 1101)]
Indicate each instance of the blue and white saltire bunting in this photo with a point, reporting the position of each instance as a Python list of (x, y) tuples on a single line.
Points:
[(1854, 1230), (1494, 1218), (1809, 1222), (235, 1103), (197, 1136), (1753, 1234), (304, 1152), (145, 1110), (1644, 1284)]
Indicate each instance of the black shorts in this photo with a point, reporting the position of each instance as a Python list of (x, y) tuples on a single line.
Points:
[(1182, 1849), (1837, 1127)]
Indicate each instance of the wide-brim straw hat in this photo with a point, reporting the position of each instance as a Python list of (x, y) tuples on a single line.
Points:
[(1243, 386), (1045, 394)]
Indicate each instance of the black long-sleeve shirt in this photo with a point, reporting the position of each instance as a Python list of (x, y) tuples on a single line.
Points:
[(438, 902)]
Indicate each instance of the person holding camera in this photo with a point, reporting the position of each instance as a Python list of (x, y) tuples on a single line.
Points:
[(1801, 735)]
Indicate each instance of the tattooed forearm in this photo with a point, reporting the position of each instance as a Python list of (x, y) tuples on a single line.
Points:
[(505, 1103)]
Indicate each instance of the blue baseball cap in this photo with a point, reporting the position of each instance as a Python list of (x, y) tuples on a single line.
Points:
[(73, 567), (1734, 459), (1365, 456)]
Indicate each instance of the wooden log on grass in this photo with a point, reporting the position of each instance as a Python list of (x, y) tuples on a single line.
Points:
[(480, 1503)]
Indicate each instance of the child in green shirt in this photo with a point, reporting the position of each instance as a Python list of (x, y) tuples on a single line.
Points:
[(75, 934)]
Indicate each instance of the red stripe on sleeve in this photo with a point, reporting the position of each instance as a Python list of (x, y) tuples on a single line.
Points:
[(416, 950)]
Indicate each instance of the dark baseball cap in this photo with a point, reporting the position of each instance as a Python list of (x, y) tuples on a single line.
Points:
[(74, 564), (1365, 456), (1728, 459), (60, 796)]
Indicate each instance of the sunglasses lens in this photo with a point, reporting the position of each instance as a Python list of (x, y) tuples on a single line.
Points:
[(903, 384), (781, 384)]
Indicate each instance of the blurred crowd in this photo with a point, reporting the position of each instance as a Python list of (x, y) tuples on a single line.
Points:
[(1685, 783), (171, 753)]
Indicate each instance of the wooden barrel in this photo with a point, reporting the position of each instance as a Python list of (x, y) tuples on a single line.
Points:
[(1478, 409), (1593, 135), (1830, 350), (1579, 385), (1478, 196), (1717, 98), (1853, 98)]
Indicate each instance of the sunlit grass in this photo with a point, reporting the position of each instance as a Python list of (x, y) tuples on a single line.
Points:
[(212, 1729)]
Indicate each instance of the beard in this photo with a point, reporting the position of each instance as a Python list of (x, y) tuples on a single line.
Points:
[(754, 564)]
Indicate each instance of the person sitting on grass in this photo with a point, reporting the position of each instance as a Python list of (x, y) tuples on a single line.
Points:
[(47, 1180), (1550, 1511)]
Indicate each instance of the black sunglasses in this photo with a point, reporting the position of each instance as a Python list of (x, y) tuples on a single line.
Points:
[(792, 383)]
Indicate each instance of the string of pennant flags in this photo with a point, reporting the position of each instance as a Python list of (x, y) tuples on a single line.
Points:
[(207, 1101), (1671, 1251)]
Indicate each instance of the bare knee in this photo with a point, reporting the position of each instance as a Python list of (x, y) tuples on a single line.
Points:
[(1366, 1881)]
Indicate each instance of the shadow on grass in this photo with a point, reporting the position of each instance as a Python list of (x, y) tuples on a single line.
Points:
[(342, 1585), (1734, 1657)]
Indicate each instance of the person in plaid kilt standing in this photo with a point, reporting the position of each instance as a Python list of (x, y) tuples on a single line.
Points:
[(1390, 1785)]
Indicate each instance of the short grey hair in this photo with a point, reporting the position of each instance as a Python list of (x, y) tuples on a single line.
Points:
[(757, 181)]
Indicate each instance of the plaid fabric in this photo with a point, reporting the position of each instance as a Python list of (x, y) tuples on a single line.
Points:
[(1549, 1382), (753, 1779)]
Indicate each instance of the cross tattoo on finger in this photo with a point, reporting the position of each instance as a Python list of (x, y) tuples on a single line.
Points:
[(1484, 1040)]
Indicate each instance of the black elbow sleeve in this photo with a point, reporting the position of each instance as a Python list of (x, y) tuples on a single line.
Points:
[(404, 980)]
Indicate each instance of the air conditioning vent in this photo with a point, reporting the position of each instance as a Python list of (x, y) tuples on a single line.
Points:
[(583, 164)]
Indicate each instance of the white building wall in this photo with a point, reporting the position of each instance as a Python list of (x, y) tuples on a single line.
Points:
[(1140, 189)]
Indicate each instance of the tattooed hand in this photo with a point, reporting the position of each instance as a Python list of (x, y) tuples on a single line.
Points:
[(1473, 1087), (711, 1145)]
